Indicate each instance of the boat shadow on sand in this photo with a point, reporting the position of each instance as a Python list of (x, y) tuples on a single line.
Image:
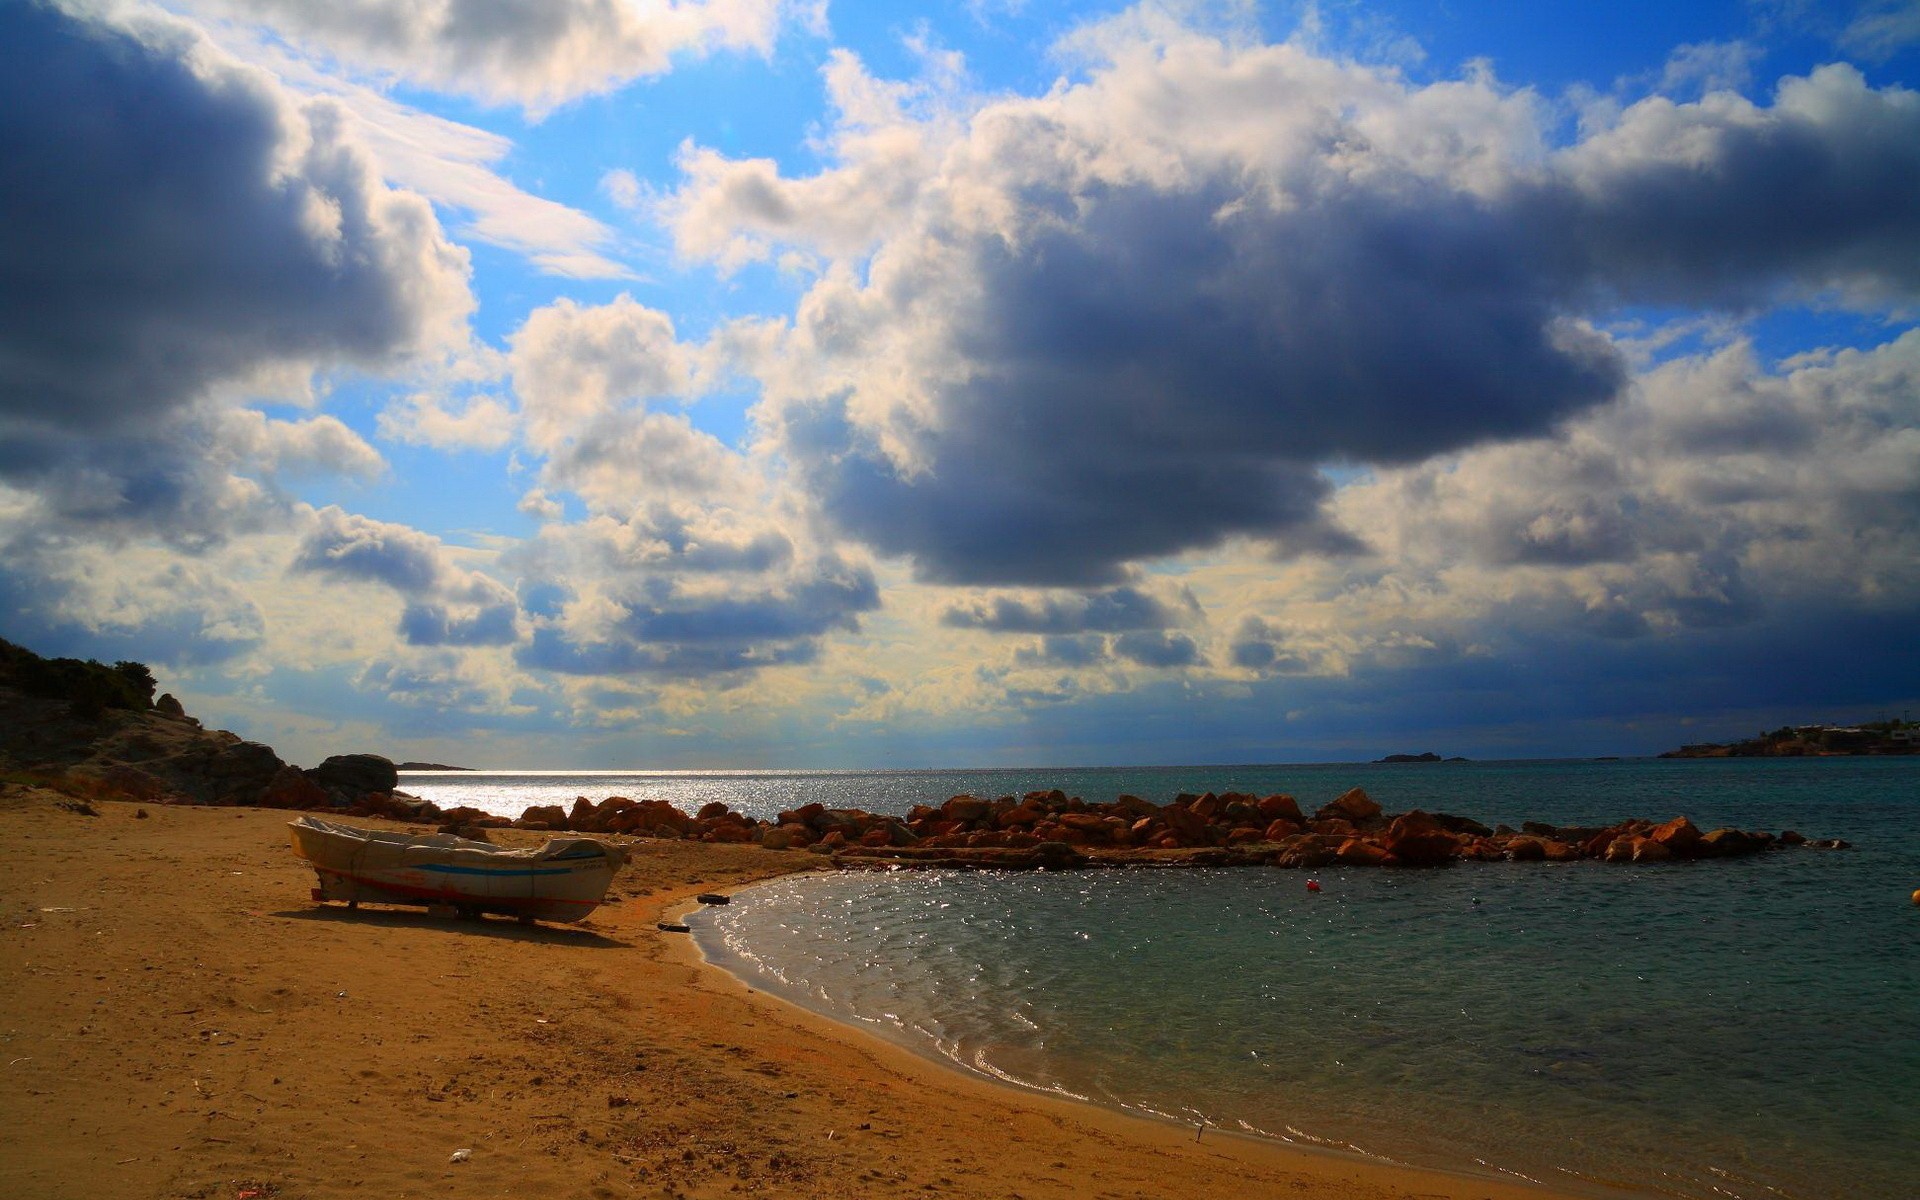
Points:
[(504, 928)]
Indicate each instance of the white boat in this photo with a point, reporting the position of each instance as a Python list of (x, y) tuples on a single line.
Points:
[(563, 880)]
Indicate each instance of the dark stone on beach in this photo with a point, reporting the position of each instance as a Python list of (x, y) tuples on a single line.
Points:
[(713, 898), (354, 774), (672, 927), (543, 816), (293, 788)]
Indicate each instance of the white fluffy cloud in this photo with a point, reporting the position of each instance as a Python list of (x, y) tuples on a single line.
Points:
[(535, 53), (1134, 317)]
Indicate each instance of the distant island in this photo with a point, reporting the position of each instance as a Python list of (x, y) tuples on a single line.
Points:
[(1428, 757), (422, 766), (1814, 741)]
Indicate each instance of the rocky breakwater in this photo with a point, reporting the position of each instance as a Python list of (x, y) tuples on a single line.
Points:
[(1052, 829)]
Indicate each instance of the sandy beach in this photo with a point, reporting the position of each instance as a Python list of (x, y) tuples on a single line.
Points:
[(180, 1020)]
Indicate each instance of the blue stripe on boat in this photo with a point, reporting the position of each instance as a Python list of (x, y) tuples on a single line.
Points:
[(446, 869)]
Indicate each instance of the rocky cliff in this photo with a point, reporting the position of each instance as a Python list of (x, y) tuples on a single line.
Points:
[(94, 731)]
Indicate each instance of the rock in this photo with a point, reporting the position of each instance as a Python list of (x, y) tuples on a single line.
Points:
[(1351, 805), (1731, 843), (1357, 853), (1526, 849), (1419, 840), (1789, 837), (355, 774), (965, 808), (1649, 850), (169, 706), (1281, 828), (1020, 814), (1058, 855), (777, 838), (1468, 825), (1282, 808), (710, 811), (293, 788), (1621, 849), (1188, 826), (1679, 836), (543, 816)]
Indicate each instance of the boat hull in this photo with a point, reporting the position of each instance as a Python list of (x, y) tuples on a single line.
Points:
[(564, 880)]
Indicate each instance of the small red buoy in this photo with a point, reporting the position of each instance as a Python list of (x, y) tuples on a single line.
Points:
[(1313, 885)]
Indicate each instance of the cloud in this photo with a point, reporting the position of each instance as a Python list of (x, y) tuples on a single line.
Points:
[(685, 594), (1134, 317), (475, 422), (886, 139), (1064, 650), (574, 365), (261, 241), (446, 604), (1882, 28), (1109, 611), (87, 598), (1157, 649), (534, 53), (452, 164)]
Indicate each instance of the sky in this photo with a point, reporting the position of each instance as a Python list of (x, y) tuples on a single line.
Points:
[(753, 383)]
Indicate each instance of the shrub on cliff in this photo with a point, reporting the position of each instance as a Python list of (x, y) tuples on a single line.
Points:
[(90, 688)]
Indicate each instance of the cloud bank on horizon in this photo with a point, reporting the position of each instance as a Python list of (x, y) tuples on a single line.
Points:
[(748, 383)]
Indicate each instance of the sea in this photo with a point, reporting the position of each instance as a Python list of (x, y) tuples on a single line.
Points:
[(1741, 1028)]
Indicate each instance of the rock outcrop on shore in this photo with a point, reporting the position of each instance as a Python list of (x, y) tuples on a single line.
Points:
[(1053, 830), (94, 732)]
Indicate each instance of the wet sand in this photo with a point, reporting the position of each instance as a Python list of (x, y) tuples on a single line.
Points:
[(178, 1019)]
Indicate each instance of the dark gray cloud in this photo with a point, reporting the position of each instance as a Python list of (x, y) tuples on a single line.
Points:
[(1153, 360), (1725, 204), (489, 624), (1109, 611), (1158, 649), (1063, 650), (665, 630), (172, 223), (353, 547), (681, 592)]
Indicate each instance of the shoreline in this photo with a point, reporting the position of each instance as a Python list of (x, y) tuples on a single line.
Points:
[(185, 1021), (1420, 1179)]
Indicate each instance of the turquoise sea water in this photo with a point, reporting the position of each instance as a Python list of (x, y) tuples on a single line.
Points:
[(1742, 1028)]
